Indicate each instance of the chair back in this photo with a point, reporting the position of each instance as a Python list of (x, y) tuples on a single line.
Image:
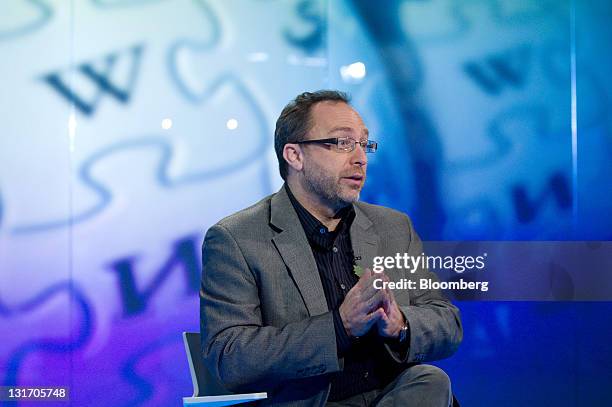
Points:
[(204, 383)]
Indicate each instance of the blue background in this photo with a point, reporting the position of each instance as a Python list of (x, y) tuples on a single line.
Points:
[(131, 126)]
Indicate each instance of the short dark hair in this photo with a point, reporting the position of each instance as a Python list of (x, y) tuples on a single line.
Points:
[(295, 121)]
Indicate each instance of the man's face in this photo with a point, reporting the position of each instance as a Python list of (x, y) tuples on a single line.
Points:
[(336, 177)]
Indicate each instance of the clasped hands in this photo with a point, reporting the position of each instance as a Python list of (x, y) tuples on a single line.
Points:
[(365, 306)]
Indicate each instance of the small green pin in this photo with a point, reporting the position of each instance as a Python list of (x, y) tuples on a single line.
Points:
[(358, 270)]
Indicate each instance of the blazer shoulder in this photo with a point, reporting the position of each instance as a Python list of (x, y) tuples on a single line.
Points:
[(384, 217), (251, 218)]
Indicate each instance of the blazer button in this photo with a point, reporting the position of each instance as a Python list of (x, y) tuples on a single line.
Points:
[(365, 375)]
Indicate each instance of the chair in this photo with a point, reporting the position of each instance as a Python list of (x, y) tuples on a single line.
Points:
[(207, 391)]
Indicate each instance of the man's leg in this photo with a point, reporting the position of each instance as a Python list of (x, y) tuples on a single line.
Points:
[(419, 385), (358, 400)]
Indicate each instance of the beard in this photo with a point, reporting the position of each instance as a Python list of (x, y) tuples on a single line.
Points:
[(328, 187)]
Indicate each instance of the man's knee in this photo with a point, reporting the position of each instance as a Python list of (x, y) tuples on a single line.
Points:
[(434, 376), (419, 385)]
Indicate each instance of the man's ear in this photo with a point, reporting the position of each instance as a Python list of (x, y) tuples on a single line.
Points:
[(293, 155)]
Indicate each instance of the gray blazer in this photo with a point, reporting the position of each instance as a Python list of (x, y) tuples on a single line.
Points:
[(264, 320)]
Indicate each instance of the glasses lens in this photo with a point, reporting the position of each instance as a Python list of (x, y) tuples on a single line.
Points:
[(345, 144)]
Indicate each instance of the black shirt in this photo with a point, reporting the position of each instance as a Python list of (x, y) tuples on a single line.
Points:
[(366, 363)]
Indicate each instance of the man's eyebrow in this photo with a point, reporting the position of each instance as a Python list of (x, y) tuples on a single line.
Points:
[(335, 129)]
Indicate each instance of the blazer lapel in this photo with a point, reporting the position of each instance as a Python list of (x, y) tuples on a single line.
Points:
[(363, 239), (293, 246)]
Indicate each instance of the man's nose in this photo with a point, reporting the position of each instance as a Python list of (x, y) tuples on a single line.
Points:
[(359, 156)]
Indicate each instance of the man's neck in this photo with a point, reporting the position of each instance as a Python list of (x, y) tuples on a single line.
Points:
[(318, 207)]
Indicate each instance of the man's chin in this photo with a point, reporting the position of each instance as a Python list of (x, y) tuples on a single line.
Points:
[(350, 197)]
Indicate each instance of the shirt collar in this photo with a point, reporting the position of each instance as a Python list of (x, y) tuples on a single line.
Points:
[(317, 232)]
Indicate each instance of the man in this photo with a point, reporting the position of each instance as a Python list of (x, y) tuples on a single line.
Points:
[(282, 307)]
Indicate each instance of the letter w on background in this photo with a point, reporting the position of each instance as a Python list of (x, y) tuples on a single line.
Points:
[(97, 78), (494, 72)]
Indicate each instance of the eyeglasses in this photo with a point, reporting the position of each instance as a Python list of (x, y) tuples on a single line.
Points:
[(345, 144)]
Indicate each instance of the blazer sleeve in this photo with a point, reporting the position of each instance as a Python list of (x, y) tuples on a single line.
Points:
[(242, 353), (434, 323)]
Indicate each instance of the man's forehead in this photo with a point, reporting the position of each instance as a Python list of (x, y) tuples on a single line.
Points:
[(333, 116), (345, 129)]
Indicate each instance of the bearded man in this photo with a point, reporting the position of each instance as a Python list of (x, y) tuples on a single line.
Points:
[(288, 301)]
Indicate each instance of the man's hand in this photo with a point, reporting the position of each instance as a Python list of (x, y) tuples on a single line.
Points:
[(390, 324), (363, 306)]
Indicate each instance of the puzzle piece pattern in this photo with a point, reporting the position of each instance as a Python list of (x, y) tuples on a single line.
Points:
[(138, 189), (23, 17)]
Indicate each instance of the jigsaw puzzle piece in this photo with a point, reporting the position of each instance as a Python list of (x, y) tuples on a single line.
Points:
[(23, 17)]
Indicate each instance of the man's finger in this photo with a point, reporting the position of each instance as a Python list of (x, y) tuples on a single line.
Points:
[(384, 320), (390, 295), (367, 273), (375, 316), (387, 304), (368, 288), (374, 301)]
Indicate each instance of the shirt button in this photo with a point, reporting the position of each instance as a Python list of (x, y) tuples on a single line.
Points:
[(335, 249)]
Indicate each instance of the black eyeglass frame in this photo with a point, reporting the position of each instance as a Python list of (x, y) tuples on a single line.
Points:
[(369, 146)]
